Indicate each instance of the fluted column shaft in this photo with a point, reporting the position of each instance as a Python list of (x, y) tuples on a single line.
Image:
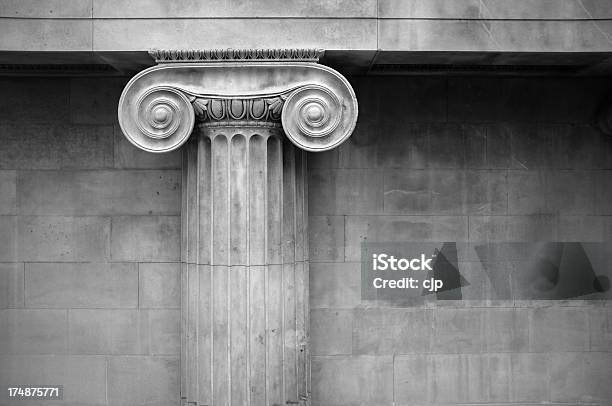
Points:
[(245, 119), (245, 268)]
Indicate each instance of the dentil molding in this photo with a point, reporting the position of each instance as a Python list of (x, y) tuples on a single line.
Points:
[(314, 104)]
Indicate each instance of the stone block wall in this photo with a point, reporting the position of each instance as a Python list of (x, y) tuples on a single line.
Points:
[(89, 248), (460, 159), (90, 240), (374, 26)]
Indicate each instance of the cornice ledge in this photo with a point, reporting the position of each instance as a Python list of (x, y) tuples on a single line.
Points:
[(231, 54), (315, 105)]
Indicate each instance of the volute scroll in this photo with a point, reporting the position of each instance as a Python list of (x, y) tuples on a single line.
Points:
[(315, 105)]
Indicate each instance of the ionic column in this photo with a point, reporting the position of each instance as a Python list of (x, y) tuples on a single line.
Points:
[(246, 119), (245, 311)]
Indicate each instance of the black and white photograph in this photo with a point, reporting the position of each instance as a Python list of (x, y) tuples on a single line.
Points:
[(305, 202)]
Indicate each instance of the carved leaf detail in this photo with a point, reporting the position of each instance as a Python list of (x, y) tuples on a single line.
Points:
[(200, 106), (276, 104)]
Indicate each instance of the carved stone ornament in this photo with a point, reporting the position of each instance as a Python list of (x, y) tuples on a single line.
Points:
[(315, 105)]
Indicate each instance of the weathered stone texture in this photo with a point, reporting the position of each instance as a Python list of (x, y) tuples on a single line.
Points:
[(514, 101), (89, 285), (584, 228), (83, 377), (530, 376), (99, 192), (542, 227), (63, 239), (46, 9), (525, 192), (458, 331), (8, 238), (34, 100), (11, 285), (236, 8), (559, 329), (356, 152), (517, 160), (326, 159), (603, 195), (505, 330), (392, 331), (95, 102), (495, 35), (346, 191), (326, 238), (343, 34), (423, 103), (81, 285), (401, 228), (159, 285), (62, 146), (140, 381), (127, 156), (146, 238), (64, 307), (600, 329), (411, 379), (335, 286), (28, 331), (8, 192), (332, 331), (581, 377), (357, 380), (124, 332), (559, 26), (499, 9), (46, 35), (445, 192)]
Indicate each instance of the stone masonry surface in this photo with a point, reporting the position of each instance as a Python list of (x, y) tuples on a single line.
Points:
[(90, 243), (90, 240), (458, 159)]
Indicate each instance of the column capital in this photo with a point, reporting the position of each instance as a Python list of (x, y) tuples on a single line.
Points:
[(315, 105)]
